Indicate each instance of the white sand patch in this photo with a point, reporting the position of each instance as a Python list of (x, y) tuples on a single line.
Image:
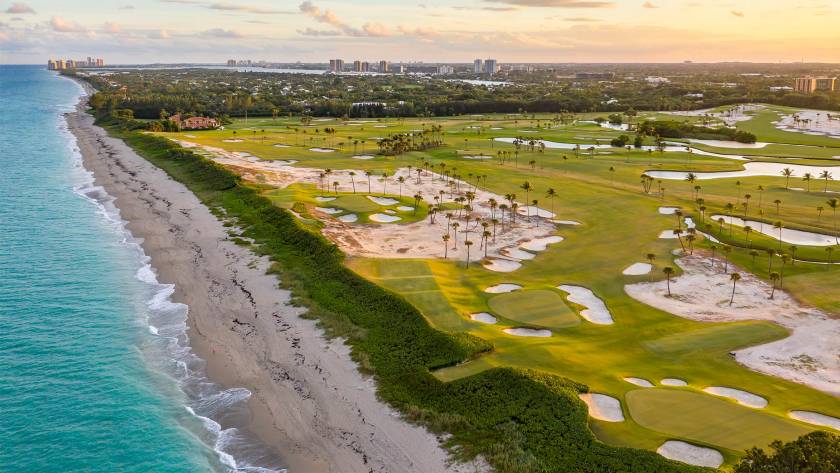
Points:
[(385, 201), (483, 317), (794, 237), (702, 292), (534, 211), (527, 332), (390, 212), (497, 128), (751, 169), (816, 419), (673, 382), (191, 136), (516, 253), (324, 119), (540, 244), (363, 156), (381, 126), (691, 454), (668, 210), (811, 122), (668, 235), (596, 311), (231, 141), (405, 208), (729, 144), (322, 150), (329, 210), (324, 199), (477, 157), (280, 145), (382, 218), (502, 288), (603, 407), (348, 218), (502, 265), (743, 397), (637, 269), (639, 382), (565, 222)]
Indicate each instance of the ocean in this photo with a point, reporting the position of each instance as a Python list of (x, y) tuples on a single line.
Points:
[(96, 373)]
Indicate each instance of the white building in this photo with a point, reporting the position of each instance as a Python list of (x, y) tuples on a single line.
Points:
[(445, 70), (478, 66), (490, 66)]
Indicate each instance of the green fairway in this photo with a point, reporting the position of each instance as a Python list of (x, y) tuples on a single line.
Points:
[(542, 308)]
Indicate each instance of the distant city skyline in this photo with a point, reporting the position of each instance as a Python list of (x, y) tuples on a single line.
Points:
[(513, 31)]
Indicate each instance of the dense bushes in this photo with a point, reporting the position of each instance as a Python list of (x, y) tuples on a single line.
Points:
[(675, 129), (817, 452), (520, 421)]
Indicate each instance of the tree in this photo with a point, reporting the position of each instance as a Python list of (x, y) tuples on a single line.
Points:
[(807, 177), (816, 452), (551, 194), (726, 252), (834, 204), (401, 181), (468, 243), (526, 186), (779, 226), (734, 277), (778, 204), (787, 172), (651, 258), (827, 177), (669, 271), (774, 278), (830, 251), (353, 181), (445, 239), (754, 254)]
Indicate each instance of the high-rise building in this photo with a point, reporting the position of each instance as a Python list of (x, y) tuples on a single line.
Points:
[(336, 65), (807, 85), (490, 66), (357, 66), (231, 62), (365, 67), (445, 69), (383, 66), (478, 66), (51, 65), (100, 62)]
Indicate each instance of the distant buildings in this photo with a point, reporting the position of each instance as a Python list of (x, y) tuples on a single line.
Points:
[(478, 66), (490, 66), (336, 65), (195, 123), (595, 75), (383, 66), (231, 62), (62, 64), (445, 70), (807, 85)]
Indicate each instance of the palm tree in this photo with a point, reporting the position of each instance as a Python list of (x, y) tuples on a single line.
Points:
[(754, 254), (690, 239), (774, 277), (830, 251), (651, 258), (778, 204), (551, 194), (827, 176), (734, 277), (760, 195), (469, 243), (793, 249), (770, 254), (455, 226), (526, 186), (352, 181), (779, 226), (726, 251), (335, 186), (807, 178), (820, 209), (401, 181), (834, 204), (747, 231), (445, 239), (678, 233), (384, 182), (785, 259), (787, 172), (669, 271), (368, 174)]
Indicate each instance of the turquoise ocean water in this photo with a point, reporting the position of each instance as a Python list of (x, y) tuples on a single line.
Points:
[(95, 368)]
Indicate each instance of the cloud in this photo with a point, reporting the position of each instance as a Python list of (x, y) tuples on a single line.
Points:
[(330, 18), (127, 7), (581, 19), (246, 8), (61, 25), (737, 13), (221, 33), (18, 8), (419, 32), (314, 32), (557, 3), (112, 28), (376, 29), (649, 5), (160, 34)]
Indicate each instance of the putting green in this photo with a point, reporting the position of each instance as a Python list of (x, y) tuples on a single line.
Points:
[(707, 419), (538, 307), (356, 204)]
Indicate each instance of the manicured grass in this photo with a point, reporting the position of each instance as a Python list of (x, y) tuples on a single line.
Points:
[(539, 307)]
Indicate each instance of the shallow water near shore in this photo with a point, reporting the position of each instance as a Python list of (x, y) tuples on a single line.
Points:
[(95, 370)]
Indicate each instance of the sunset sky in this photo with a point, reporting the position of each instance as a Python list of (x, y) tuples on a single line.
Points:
[(132, 31)]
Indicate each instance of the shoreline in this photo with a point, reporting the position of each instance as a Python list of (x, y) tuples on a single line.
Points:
[(308, 401)]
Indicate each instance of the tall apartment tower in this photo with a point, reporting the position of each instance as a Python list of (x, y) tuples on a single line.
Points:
[(357, 66), (807, 85), (490, 66), (336, 65), (365, 66), (478, 66), (383, 66)]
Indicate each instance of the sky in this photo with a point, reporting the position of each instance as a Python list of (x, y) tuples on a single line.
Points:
[(511, 31)]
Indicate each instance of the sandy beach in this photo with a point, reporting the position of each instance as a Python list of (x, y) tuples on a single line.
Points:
[(309, 403)]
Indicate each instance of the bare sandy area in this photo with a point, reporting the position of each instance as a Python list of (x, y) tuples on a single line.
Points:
[(691, 454), (810, 355), (308, 402), (816, 418), (603, 407), (639, 382), (676, 382), (740, 396)]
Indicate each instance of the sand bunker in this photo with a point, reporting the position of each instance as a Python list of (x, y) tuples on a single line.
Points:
[(329, 210), (278, 145), (639, 382), (751, 169), (477, 157), (363, 156), (322, 150), (232, 141), (673, 382), (729, 144), (702, 292), (794, 237), (565, 222), (383, 218), (811, 122), (744, 398), (596, 311), (527, 332), (540, 244), (516, 253), (637, 269), (405, 208), (383, 200), (348, 218), (534, 211), (381, 126), (691, 454), (324, 199), (502, 265), (816, 418), (668, 210), (668, 235), (483, 317), (603, 407), (502, 288)]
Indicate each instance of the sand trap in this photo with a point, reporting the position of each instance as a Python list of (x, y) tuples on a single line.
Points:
[(382, 218), (534, 211), (702, 292), (232, 141), (405, 208), (483, 317), (477, 157), (324, 199), (328, 210), (517, 253), (502, 288), (639, 382), (363, 156), (691, 454), (527, 332), (278, 145), (751, 169), (322, 150), (795, 237), (668, 235), (603, 407), (383, 200), (348, 218), (381, 126), (502, 265), (540, 244), (744, 398), (596, 311), (668, 210), (729, 144), (565, 222), (816, 419), (637, 269), (673, 382)]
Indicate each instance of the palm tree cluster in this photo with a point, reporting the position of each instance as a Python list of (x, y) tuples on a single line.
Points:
[(400, 143)]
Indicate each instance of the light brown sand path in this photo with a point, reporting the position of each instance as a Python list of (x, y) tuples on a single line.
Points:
[(309, 402)]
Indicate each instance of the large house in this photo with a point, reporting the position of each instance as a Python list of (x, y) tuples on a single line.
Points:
[(195, 123)]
